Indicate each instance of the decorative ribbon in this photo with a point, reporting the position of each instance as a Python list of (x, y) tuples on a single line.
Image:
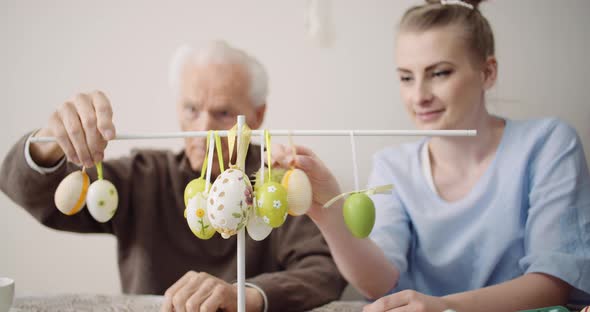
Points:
[(204, 167), (267, 139), (219, 152), (383, 189)]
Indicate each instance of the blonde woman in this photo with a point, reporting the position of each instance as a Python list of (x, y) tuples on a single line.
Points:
[(497, 222)]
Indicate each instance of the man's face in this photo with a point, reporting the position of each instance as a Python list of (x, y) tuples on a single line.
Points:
[(211, 97)]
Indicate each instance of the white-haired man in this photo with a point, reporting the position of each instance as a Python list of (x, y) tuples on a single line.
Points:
[(291, 270)]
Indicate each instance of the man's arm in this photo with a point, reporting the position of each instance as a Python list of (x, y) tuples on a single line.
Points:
[(34, 189)]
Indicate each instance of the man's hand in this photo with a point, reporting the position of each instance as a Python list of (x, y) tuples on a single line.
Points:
[(82, 127), (202, 292), (407, 300)]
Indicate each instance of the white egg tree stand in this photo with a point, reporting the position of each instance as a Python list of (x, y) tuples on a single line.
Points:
[(241, 122)]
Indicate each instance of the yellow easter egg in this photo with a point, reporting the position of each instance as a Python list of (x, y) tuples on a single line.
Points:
[(70, 195), (299, 194)]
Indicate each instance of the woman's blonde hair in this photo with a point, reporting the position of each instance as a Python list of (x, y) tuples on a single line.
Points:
[(476, 28)]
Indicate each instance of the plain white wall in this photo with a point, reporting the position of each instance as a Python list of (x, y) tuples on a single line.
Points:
[(52, 49)]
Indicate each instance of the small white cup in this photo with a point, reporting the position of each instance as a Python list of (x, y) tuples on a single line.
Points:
[(6, 293)]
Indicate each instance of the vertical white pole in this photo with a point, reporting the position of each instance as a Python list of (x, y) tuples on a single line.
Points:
[(241, 237)]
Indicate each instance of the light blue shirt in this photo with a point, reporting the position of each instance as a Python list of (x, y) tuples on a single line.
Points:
[(529, 212)]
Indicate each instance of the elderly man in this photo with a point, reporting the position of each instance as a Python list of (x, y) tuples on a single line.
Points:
[(291, 270)]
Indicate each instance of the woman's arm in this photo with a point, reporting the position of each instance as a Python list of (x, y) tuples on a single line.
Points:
[(360, 261), (533, 290), (530, 291)]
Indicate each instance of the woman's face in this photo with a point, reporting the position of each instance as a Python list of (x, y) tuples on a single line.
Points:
[(439, 83)]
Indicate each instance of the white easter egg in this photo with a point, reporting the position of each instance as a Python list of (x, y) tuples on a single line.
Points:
[(229, 201), (196, 216), (102, 200), (299, 193), (70, 195), (256, 227)]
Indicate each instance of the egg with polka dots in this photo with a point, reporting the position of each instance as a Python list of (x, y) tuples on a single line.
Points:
[(102, 200), (229, 201)]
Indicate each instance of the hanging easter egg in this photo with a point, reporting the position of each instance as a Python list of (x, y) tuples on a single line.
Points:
[(298, 191), (229, 202), (102, 200), (70, 195), (277, 174), (197, 218), (256, 228), (359, 214), (193, 188), (272, 203)]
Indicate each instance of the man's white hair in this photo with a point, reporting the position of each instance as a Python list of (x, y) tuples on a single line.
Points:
[(219, 52)]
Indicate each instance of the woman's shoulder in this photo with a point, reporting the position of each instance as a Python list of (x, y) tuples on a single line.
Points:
[(542, 129), (541, 135)]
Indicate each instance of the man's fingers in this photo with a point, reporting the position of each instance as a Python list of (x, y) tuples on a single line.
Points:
[(73, 126), (167, 306), (180, 298), (87, 115), (214, 301), (200, 294), (63, 140), (104, 115)]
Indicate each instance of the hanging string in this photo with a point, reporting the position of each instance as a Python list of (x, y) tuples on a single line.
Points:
[(261, 163), (267, 139), (293, 152), (231, 142), (355, 168), (204, 167), (211, 151), (98, 170), (245, 136), (219, 152)]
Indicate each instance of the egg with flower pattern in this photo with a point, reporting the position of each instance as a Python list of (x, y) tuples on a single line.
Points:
[(197, 218), (229, 201), (193, 188), (272, 203)]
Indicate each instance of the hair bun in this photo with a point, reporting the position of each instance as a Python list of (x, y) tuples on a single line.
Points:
[(474, 3)]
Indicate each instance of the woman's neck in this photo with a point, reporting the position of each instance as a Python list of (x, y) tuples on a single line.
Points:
[(462, 153)]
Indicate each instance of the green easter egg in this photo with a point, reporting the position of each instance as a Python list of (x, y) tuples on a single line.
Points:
[(359, 214), (277, 175), (192, 188), (271, 200)]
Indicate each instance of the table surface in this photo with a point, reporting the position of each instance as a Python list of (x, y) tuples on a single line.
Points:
[(128, 303)]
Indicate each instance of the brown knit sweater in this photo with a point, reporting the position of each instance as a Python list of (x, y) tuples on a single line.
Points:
[(155, 247)]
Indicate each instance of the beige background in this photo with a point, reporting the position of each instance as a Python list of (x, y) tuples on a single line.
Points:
[(52, 49)]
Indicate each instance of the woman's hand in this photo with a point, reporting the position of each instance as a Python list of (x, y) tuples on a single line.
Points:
[(408, 300), (323, 183)]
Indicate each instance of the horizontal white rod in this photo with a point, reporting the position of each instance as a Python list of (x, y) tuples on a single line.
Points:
[(223, 133)]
